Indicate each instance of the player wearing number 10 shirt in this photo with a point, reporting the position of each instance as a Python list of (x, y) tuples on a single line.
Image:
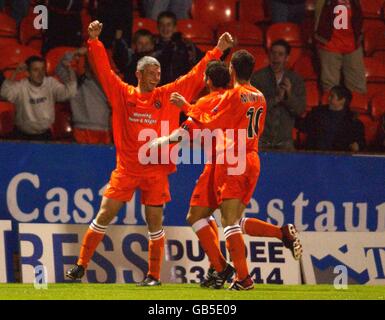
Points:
[(240, 114)]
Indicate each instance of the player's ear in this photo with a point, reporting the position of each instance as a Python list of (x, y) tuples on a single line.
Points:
[(138, 74)]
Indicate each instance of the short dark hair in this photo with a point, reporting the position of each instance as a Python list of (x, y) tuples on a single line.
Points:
[(33, 59), (343, 93), (142, 33), (218, 73), (167, 14), (243, 63), (282, 43)]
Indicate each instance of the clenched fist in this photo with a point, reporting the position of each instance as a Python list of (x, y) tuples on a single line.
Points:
[(95, 29), (225, 41)]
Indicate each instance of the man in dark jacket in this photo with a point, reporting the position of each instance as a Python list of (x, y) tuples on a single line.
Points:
[(285, 95), (334, 127), (176, 55)]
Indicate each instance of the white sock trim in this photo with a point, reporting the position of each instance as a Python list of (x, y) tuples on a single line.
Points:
[(200, 224), (97, 227), (156, 235), (231, 230), (242, 224)]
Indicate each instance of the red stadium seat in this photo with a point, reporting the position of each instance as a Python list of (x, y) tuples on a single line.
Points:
[(372, 128), (375, 70), (378, 105), (245, 33), (7, 26), (374, 40), (197, 31), (375, 88), (12, 56), (54, 56), (290, 32), (28, 35), (144, 23), (62, 128), (252, 11), (360, 103), (214, 12), (7, 118), (304, 66), (6, 42), (372, 8), (380, 56), (259, 54), (312, 95), (369, 24)]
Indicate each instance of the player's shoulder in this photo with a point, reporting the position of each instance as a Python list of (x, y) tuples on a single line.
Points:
[(248, 93)]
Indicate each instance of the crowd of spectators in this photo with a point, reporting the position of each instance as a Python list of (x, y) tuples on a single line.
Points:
[(330, 126)]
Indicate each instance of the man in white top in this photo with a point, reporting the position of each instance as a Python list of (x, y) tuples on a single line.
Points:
[(35, 98)]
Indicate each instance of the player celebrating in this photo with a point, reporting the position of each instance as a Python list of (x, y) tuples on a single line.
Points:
[(204, 201), (135, 109), (242, 109)]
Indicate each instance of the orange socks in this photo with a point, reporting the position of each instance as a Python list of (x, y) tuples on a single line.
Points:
[(209, 242), (155, 253), (236, 246), (92, 238), (257, 228)]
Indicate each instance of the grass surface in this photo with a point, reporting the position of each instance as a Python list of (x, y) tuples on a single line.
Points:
[(78, 291)]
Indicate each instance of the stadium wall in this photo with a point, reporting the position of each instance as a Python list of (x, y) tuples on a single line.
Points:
[(49, 193)]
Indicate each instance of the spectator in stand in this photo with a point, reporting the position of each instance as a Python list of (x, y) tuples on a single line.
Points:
[(176, 55), (181, 8), (340, 49), (35, 98), (285, 94), (126, 59), (334, 127), (19, 8), (90, 110), (65, 25), (287, 11), (117, 18)]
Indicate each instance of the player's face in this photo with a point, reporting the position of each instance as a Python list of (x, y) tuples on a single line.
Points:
[(144, 45), (37, 72), (278, 58), (166, 28), (149, 78)]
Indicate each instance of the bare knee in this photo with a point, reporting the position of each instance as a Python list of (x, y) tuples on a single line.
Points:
[(104, 217)]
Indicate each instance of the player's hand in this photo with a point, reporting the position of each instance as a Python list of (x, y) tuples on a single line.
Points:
[(225, 41), (158, 142), (177, 99), (95, 29)]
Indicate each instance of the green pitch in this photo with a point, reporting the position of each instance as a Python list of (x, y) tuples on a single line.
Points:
[(186, 292)]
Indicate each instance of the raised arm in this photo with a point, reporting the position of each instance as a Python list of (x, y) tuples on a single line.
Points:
[(112, 85), (190, 84)]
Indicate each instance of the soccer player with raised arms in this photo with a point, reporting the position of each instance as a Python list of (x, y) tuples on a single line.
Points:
[(135, 109)]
